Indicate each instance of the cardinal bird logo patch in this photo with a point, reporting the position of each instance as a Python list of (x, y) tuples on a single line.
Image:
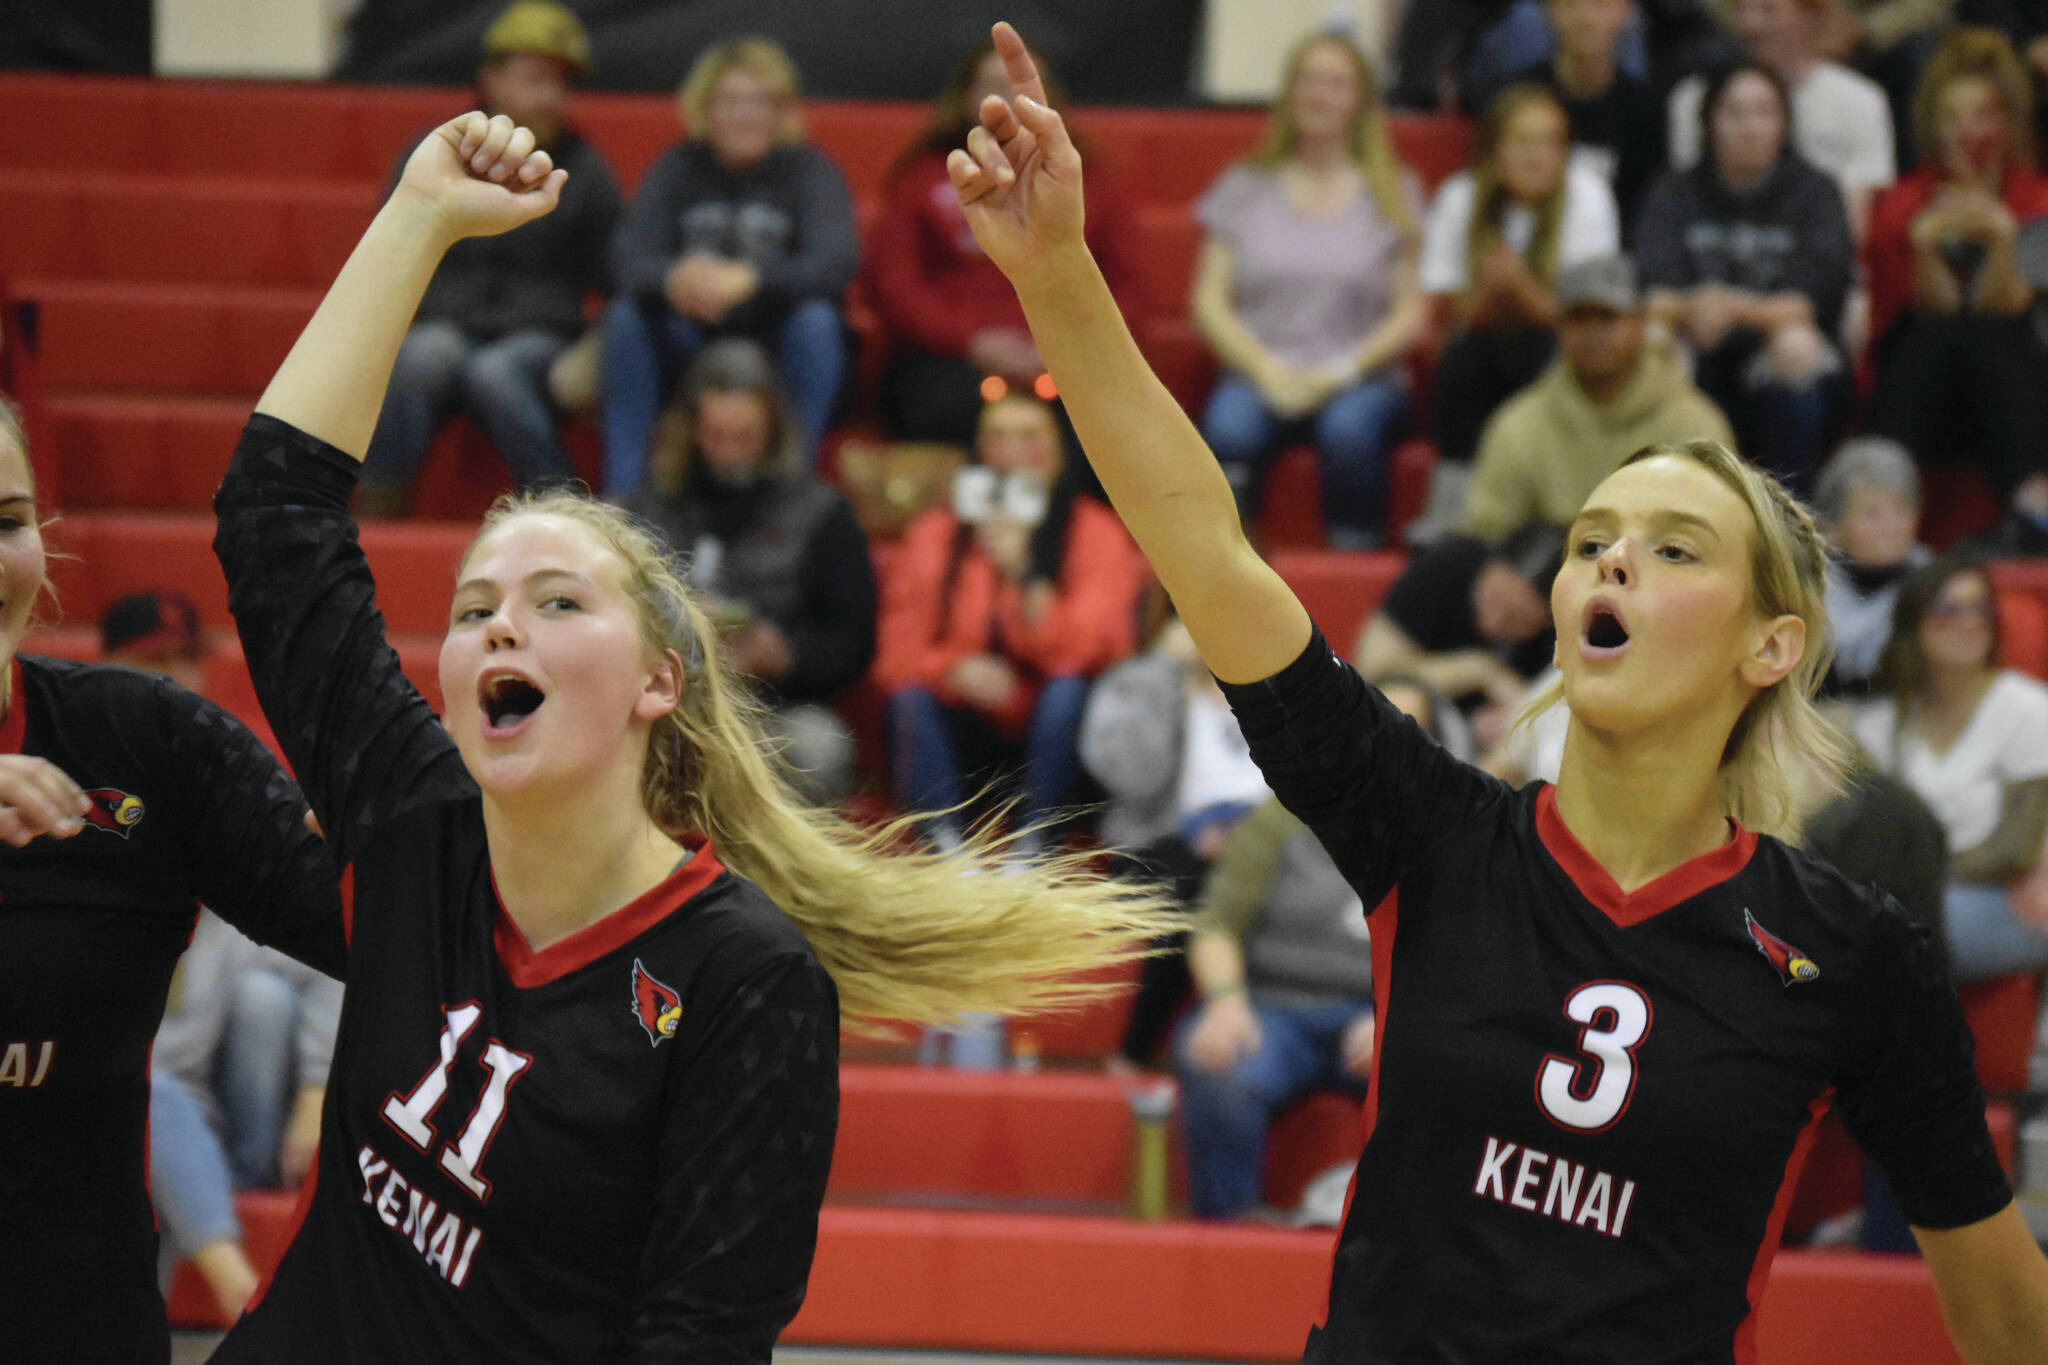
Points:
[(1793, 966), (113, 810), (658, 1008)]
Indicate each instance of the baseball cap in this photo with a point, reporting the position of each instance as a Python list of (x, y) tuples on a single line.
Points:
[(158, 624), (542, 26), (1598, 282)]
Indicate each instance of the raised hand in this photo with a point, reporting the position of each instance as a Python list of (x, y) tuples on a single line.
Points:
[(480, 176), (1019, 177)]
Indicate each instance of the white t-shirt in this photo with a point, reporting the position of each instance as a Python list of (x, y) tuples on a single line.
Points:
[(1841, 122), (1216, 765), (1590, 226), (2005, 742)]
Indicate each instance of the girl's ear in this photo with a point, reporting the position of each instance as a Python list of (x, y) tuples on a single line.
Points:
[(1777, 652), (663, 690)]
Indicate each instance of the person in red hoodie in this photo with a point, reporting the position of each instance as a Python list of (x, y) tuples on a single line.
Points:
[(997, 612), (1959, 369), (953, 321)]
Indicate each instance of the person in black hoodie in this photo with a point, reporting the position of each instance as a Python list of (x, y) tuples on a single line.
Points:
[(1748, 257), (741, 228), (500, 310), (773, 548)]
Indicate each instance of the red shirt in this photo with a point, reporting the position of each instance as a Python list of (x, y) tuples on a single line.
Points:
[(1889, 251), (933, 286)]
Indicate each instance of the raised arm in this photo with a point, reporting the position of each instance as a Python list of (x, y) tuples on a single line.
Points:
[(471, 177), (1019, 181)]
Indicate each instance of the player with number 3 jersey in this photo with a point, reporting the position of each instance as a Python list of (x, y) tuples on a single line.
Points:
[(1610, 1011), (585, 1085)]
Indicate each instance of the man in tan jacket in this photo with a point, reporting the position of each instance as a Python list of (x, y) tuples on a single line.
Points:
[(1610, 392)]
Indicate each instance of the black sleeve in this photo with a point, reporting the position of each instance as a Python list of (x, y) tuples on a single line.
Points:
[(1432, 599), (648, 237), (365, 745), (241, 823), (1375, 789), (828, 245), (1824, 266), (833, 640), (746, 1146), (1661, 258), (1909, 1092)]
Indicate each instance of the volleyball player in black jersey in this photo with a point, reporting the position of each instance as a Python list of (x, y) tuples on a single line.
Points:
[(585, 1086), (124, 802), (1610, 1011)]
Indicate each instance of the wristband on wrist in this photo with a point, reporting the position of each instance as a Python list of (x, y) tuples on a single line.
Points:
[(1234, 988)]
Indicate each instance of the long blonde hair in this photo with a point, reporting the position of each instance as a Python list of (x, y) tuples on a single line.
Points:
[(758, 57), (906, 935), (1781, 742), (1365, 142), (1490, 197), (1985, 54)]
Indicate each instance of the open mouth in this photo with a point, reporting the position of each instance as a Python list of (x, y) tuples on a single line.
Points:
[(508, 700), (1604, 635)]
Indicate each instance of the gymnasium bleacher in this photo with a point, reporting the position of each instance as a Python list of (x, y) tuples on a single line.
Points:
[(163, 244)]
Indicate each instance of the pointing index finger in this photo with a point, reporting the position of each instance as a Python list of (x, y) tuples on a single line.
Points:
[(1017, 63)]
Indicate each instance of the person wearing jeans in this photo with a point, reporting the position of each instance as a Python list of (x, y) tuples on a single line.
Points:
[(742, 228), (500, 310), (1352, 434)]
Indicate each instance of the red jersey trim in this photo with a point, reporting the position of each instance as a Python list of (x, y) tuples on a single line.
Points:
[(1767, 1250), (14, 728), (1627, 908), (528, 968)]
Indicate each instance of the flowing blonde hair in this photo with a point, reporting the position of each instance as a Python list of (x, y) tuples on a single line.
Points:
[(1365, 142), (1985, 54), (906, 935), (1490, 197), (1781, 742), (757, 57)]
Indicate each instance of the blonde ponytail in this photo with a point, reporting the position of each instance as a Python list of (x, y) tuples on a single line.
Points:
[(906, 935)]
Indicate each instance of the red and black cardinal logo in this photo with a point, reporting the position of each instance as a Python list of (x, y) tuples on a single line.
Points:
[(1793, 966), (658, 1008), (113, 810)]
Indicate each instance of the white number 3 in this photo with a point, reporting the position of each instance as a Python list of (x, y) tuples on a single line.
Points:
[(1588, 1093)]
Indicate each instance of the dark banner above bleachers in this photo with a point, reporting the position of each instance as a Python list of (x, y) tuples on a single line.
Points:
[(1106, 51)]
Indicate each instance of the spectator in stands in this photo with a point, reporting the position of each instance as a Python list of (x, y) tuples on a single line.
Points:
[(1972, 739), (1611, 391), (771, 549), (239, 1068), (1472, 621), (953, 322), (1616, 118), (1959, 364), (1868, 500), (1840, 119), (2025, 22), (1892, 40), (1748, 258), (1159, 739), (742, 228), (1496, 238), (157, 632), (996, 613), (1280, 952), (237, 1078), (1306, 290), (501, 310)]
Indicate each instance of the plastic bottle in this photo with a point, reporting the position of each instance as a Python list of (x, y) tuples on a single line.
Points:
[(1023, 1051), (1151, 1117)]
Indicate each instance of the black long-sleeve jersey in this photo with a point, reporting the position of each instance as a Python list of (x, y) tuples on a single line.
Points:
[(1591, 1104), (187, 805), (612, 1149)]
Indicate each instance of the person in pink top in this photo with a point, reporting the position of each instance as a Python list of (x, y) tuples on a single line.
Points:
[(952, 320)]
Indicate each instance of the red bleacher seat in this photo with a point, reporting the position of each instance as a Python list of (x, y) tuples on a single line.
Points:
[(2002, 1012), (1340, 590)]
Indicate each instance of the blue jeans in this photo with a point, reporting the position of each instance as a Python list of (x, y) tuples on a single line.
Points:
[(502, 383), (1225, 1115), (1985, 938), (645, 346), (935, 748), (188, 1172), (1351, 434)]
